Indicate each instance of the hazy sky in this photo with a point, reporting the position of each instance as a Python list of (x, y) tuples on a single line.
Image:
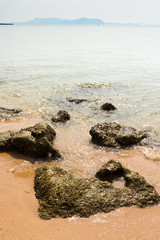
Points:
[(142, 11)]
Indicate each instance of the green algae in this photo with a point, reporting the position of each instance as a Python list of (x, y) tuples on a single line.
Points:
[(61, 194)]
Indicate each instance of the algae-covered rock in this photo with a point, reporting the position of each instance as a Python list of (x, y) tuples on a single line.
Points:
[(62, 116), (115, 135), (33, 141), (61, 194), (108, 107), (6, 113)]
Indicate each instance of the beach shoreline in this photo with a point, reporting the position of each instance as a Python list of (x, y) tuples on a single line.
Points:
[(19, 207)]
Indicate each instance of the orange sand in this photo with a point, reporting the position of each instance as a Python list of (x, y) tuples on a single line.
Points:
[(19, 219)]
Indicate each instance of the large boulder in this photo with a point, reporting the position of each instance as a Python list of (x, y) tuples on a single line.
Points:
[(115, 135), (7, 113), (33, 141), (62, 116), (61, 194)]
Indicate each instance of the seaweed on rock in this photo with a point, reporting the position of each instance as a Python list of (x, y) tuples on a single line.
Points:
[(33, 141), (114, 135), (61, 194)]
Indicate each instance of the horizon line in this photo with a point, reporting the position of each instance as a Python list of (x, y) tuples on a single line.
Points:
[(63, 20)]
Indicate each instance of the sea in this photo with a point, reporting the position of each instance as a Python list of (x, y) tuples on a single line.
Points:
[(42, 66)]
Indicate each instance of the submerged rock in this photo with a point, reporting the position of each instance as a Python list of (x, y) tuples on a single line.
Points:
[(61, 194), (6, 113), (95, 85), (115, 135), (76, 100), (33, 141), (62, 116), (108, 107)]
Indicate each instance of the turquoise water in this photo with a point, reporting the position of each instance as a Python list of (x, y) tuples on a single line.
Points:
[(41, 66)]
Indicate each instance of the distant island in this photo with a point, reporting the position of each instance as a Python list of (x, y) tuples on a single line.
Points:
[(50, 21), (79, 21), (6, 23)]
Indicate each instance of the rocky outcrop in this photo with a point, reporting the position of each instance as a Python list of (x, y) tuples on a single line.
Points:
[(62, 116), (34, 141), (76, 100), (61, 194), (115, 135), (108, 107), (6, 113)]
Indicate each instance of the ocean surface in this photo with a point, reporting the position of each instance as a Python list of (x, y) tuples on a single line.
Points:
[(42, 66)]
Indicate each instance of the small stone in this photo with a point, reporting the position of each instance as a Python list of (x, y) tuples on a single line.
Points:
[(108, 107), (62, 116), (77, 101)]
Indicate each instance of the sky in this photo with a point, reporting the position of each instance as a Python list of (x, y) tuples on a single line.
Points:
[(122, 11)]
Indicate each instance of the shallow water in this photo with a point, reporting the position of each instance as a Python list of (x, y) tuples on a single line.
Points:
[(41, 66)]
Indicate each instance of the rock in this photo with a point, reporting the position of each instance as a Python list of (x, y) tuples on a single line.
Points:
[(6, 113), (14, 110), (108, 107), (61, 194), (77, 101), (34, 141), (62, 116), (115, 135), (110, 171)]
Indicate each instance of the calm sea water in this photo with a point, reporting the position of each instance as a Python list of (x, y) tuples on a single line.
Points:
[(41, 66)]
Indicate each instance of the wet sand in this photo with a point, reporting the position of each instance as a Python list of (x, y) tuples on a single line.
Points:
[(19, 218)]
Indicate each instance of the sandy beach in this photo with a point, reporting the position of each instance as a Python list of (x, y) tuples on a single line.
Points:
[(19, 218)]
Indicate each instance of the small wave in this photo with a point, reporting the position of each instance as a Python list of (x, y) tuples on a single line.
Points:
[(99, 220), (151, 152)]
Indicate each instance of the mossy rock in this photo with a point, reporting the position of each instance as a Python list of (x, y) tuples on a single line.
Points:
[(62, 116), (114, 135), (61, 194), (36, 141)]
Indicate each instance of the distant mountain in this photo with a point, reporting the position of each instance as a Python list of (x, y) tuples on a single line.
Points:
[(79, 21), (45, 21)]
